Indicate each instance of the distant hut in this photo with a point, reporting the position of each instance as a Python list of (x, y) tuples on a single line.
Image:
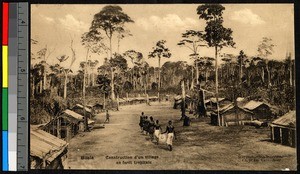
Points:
[(178, 101), (47, 151), (153, 98), (231, 115), (261, 110), (241, 101), (211, 104), (122, 101), (283, 129), (66, 125), (98, 107), (78, 108)]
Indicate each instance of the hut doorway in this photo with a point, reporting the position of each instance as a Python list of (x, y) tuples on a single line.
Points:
[(285, 136), (276, 134)]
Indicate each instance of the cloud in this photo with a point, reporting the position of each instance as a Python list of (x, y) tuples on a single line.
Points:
[(246, 16), (47, 19), (166, 23), (71, 23)]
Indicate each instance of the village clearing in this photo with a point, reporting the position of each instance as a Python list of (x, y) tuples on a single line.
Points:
[(121, 145)]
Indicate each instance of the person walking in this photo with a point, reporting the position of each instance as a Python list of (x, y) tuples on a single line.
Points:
[(151, 128), (170, 130), (142, 118), (146, 125), (107, 117), (157, 131)]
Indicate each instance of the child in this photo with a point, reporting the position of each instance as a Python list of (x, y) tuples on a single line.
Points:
[(107, 117)]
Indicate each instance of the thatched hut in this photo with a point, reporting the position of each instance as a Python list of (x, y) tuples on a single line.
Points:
[(78, 108), (47, 151), (66, 125), (211, 104), (261, 110), (231, 115), (283, 129)]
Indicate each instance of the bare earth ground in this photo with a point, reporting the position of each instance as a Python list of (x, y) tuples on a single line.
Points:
[(198, 147)]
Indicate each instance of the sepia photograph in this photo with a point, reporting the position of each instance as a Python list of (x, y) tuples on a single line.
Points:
[(163, 87)]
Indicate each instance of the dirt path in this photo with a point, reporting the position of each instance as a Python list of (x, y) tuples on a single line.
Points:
[(120, 145)]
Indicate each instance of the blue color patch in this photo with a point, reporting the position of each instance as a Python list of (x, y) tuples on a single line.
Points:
[(4, 151)]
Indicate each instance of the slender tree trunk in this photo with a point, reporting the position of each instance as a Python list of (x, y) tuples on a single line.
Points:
[(159, 83), (183, 99), (118, 104), (197, 74), (192, 82), (291, 76), (93, 78), (241, 70), (263, 74), (206, 76), (65, 85), (112, 84), (217, 83), (127, 96), (88, 77), (112, 72), (83, 93), (45, 78), (41, 86), (104, 102), (269, 75)]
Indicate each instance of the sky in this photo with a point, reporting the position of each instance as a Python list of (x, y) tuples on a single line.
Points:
[(56, 25)]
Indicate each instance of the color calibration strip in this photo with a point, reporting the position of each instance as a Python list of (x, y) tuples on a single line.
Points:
[(15, 86), (5, 10)]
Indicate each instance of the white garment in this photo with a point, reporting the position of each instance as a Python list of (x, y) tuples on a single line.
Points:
[(170, 139), (156, 133)]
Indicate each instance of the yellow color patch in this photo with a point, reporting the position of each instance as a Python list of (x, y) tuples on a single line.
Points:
[(4, 66)]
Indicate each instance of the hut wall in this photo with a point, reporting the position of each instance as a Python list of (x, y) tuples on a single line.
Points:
[(283, 135), (67, 129), (230, 117), (262, 112)]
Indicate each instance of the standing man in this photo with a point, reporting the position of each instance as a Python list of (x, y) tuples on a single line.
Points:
[(107, 116), (170, 135), (151, 128), (146, 125), (142, 118)]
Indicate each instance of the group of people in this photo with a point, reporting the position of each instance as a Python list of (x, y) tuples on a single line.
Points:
[(154, 130)]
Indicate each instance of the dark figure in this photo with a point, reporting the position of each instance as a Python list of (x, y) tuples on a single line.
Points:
[(146, 125), (183, 107), (201, 104), (107, 117), (186, 121), (170, 130), (142, 117), (151, 128)]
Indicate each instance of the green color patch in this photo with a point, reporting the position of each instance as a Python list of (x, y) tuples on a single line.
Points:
[(4, 109)]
